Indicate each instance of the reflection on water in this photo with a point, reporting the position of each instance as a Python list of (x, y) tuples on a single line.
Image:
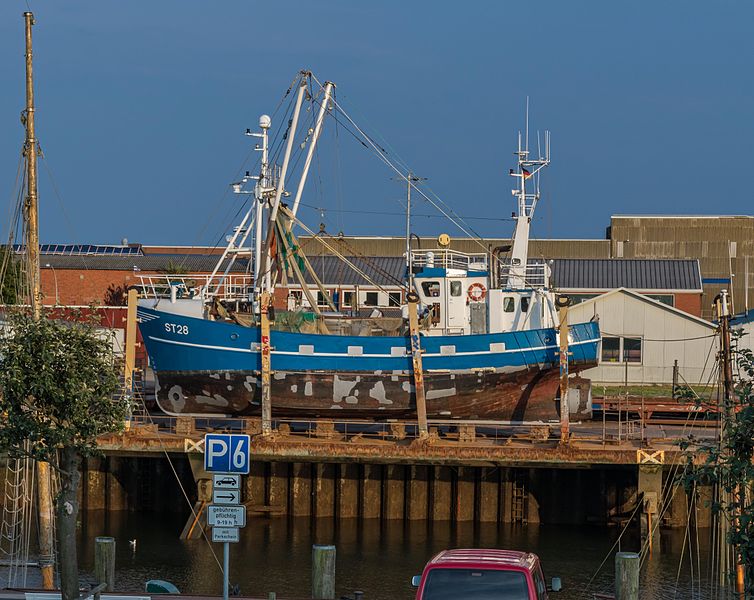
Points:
[(274, 555)]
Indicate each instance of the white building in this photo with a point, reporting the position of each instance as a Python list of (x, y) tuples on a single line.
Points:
[(642, 338)]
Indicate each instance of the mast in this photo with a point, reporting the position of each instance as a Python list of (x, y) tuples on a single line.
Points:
[(262, 183), (266, 254), (527, 168), (313, 144), (31, 206)]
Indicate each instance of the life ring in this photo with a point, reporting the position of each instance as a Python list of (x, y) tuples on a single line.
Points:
[(476, 292)]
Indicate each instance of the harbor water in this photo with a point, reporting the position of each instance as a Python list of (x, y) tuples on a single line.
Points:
[(379, 559)]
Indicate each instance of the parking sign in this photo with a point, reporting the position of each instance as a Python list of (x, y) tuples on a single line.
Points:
[(226, 453)]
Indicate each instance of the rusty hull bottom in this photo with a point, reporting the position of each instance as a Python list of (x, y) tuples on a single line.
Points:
[(528, 394)]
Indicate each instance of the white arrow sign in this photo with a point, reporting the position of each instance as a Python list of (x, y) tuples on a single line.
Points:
[(226, 516), (226, 496)]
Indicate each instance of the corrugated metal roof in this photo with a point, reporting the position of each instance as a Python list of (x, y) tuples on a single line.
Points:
[(633, 274), (192, 263), (383, 270)]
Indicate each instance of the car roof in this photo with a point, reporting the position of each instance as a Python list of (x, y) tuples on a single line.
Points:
[(491, 557)]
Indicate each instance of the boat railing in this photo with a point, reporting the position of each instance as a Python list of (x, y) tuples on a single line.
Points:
[(230, 287), (536, 274), (445, 258)]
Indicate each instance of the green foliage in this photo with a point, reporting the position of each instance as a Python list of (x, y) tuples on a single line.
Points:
[(11, 274), (727, 462), (174, 268), (59, 387)]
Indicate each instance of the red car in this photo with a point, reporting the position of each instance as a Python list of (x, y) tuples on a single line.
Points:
[(479, 574)]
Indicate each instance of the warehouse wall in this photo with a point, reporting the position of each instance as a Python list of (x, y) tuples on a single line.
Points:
[(667, 335)]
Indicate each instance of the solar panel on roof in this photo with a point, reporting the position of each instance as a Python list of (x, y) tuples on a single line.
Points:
[(88, 249)]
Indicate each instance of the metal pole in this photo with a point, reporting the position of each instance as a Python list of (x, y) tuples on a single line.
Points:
[(46, 559), (226, 569), (409, 262)]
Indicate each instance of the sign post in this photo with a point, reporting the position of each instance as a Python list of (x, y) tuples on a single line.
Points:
[(226, 456)]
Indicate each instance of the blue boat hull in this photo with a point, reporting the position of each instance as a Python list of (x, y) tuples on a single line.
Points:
[(213, 367)]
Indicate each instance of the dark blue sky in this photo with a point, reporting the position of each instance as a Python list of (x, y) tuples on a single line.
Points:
[(141, 106)]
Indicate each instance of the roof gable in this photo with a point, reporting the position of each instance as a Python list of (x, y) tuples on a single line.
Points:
[(652, 302)]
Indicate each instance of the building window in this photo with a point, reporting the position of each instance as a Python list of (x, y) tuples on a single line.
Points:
[(632, 350), (455, 289), (524, 304), (509, 304), (347, 299), (610, 349), (371, 299), (621, 350), (664, 298), (431, 289), (393, 298), (321, 300)]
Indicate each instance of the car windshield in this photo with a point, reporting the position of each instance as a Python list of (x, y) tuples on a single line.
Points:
[(475, 584)]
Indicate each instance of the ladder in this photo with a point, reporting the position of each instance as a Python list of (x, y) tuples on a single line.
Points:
[(519, 497)]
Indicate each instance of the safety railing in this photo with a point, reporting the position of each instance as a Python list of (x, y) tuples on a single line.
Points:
[(449, 259), (230, 287)]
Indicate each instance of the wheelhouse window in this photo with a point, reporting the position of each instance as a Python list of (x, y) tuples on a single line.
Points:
[(431, 289), (610, 349), (456, 288), (509, 304), (632, 350), (524, 304)]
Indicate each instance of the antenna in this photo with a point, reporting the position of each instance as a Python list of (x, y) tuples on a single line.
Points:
[(527, 124)]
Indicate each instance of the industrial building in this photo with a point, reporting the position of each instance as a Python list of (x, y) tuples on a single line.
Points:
[(643, 338)]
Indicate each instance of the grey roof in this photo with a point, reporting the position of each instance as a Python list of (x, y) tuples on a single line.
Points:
[(382, 270), (633, 274), (192, 263)]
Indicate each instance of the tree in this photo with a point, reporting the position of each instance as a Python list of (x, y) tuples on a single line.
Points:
[(59, 386), (11, 275), (727, 463)]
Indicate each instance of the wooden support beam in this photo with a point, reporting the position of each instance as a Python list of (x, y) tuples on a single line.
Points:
[(264, 338), (416, 356)]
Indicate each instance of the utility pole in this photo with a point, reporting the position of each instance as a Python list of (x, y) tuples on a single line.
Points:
[(31, 208), (728, 414)]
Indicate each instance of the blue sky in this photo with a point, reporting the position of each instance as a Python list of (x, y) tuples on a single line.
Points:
[(141, 108)]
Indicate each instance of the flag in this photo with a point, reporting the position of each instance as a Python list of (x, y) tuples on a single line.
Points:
[(525, 173)]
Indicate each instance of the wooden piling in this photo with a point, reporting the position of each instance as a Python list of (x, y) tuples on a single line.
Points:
[(104, 561), (627, 576), (323, 572)]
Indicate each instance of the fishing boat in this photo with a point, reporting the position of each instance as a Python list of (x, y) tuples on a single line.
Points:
[(483, 344)]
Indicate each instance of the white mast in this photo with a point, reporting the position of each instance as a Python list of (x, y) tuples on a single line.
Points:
[(266, 255), (310, 153), (260, 190), (528, 168)]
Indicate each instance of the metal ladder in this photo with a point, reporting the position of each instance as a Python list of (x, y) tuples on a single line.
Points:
[(519, 497)]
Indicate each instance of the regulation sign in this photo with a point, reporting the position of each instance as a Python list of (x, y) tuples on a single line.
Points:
[(226, 453), (225, 534), (226, 516), (221, 496), (226, 481)]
